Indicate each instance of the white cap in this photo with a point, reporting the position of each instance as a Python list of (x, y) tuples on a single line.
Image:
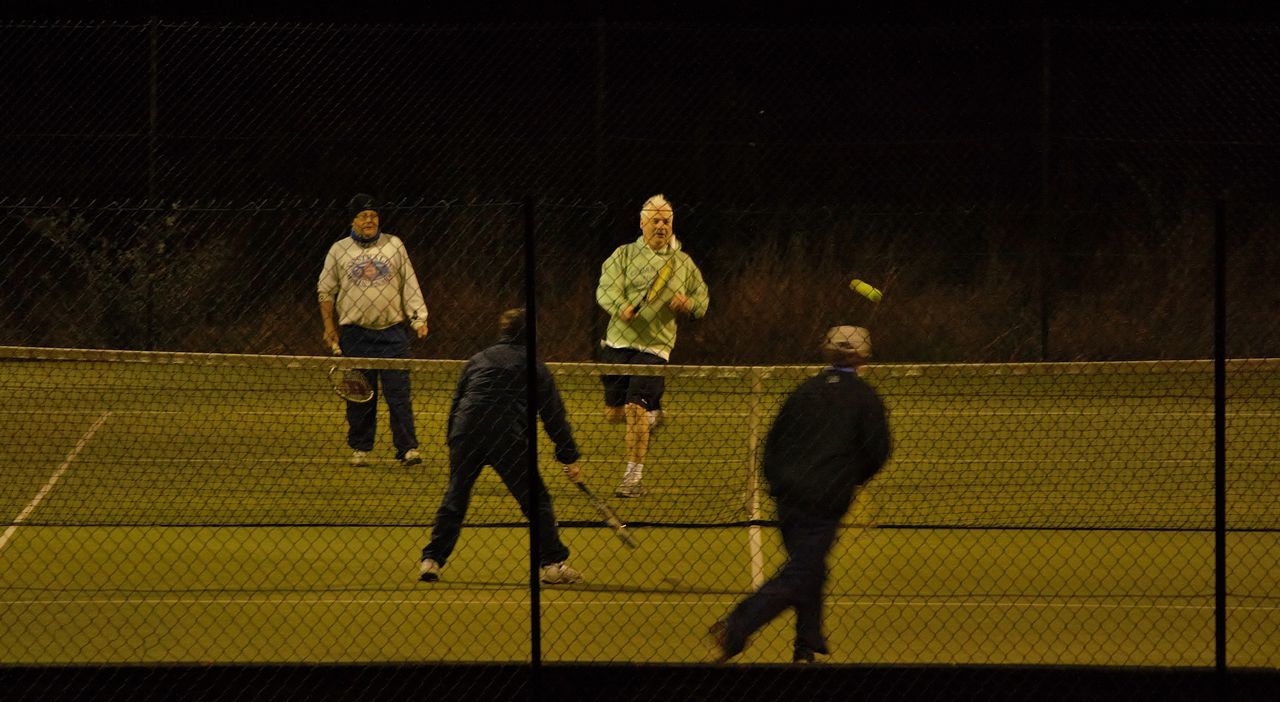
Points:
[(847, 339)]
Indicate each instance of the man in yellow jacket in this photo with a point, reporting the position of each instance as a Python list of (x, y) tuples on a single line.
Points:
[(645, 286)]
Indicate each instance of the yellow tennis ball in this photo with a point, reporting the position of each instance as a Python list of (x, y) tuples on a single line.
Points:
[(865, 290)]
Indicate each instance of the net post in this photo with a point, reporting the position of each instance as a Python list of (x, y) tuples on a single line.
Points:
[(755, 398)]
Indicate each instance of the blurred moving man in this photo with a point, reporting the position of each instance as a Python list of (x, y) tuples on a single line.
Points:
[(830, 437)]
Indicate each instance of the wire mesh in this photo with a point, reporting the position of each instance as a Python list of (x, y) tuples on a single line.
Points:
[(1034, 200)]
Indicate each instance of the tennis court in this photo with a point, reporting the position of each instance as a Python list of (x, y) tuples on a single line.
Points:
[(166, 509)]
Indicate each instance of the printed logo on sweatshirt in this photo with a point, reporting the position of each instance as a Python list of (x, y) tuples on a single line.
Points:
[(369, 271)]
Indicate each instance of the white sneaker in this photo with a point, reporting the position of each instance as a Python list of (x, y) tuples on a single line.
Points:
[(428, 571), (629, 488), (359, 459), (560, 574), (654, 418), (411, 458)]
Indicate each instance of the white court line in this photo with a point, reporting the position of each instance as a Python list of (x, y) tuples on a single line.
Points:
[(1058, 460), (734, 461), (626, 602), (675, 415), (53, 480), (343, 461), (1135, 416)]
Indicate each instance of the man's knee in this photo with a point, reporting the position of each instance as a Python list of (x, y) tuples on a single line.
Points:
[(635, 412), (450, 511), (394, 380)]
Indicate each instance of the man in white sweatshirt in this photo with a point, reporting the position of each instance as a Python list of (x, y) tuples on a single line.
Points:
[(369, 301)]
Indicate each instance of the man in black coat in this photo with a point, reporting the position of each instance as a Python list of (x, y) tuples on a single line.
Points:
[(831, 436), (488, 426)]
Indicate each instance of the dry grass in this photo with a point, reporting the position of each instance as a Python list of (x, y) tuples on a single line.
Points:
[(959, 286)]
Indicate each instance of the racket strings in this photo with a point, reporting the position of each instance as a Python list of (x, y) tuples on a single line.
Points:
[(351, 384)]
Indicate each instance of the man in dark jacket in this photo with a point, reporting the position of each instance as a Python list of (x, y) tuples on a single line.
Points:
[(487, 426), (831, 436)]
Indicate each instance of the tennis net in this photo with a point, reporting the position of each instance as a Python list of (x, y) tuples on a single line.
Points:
[(99, 437)]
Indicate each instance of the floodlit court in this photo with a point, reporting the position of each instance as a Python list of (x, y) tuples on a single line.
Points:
[(200, 508)]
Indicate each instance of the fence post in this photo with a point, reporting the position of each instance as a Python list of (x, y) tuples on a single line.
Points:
[(531, 423), (153, 120), (1042, 223), (1220, 443)]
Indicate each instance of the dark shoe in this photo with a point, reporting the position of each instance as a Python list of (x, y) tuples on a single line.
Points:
[(719, 634), (411, 458), (428, 571), (802, 655)]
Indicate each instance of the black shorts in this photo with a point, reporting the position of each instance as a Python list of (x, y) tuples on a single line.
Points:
[(643, 390)]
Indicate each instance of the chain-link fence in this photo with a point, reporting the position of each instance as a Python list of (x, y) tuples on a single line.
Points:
[(1069, 227)]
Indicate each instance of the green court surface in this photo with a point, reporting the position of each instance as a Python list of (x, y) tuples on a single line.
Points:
[(1027, 517)]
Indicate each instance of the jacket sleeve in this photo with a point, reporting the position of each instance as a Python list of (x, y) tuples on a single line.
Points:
[(458, 392), (330, 277), (554, 417), (612, 288), (877, 444), (778, 445), (696, 290)]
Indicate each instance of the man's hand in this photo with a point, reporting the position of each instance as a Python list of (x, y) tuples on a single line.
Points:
[(422, 331), (628, 313), (681, 304), (573, 473), (330, 324)]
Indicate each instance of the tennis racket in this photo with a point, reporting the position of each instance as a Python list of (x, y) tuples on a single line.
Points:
[(350, 384), (659, 283), (606, 514)]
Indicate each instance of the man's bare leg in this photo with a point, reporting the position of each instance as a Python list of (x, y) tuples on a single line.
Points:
[(637, 447)]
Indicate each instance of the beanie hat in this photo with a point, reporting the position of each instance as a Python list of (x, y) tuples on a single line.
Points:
[(359, 203)]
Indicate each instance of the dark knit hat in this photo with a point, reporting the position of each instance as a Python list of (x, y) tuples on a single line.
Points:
[(361, 202)]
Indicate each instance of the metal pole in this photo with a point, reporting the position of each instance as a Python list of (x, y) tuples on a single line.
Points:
[(598, 161), (153, 105), (531, 421), (153, 119), (601, 248), (1220, 444), (1042, 264)]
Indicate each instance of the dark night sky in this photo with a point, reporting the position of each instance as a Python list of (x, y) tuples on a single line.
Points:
[(909, 115), (906, 107), (718, 11)]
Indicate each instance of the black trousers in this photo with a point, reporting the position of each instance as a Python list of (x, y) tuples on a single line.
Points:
[(797, 584), (466, 460), (362, 417)]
